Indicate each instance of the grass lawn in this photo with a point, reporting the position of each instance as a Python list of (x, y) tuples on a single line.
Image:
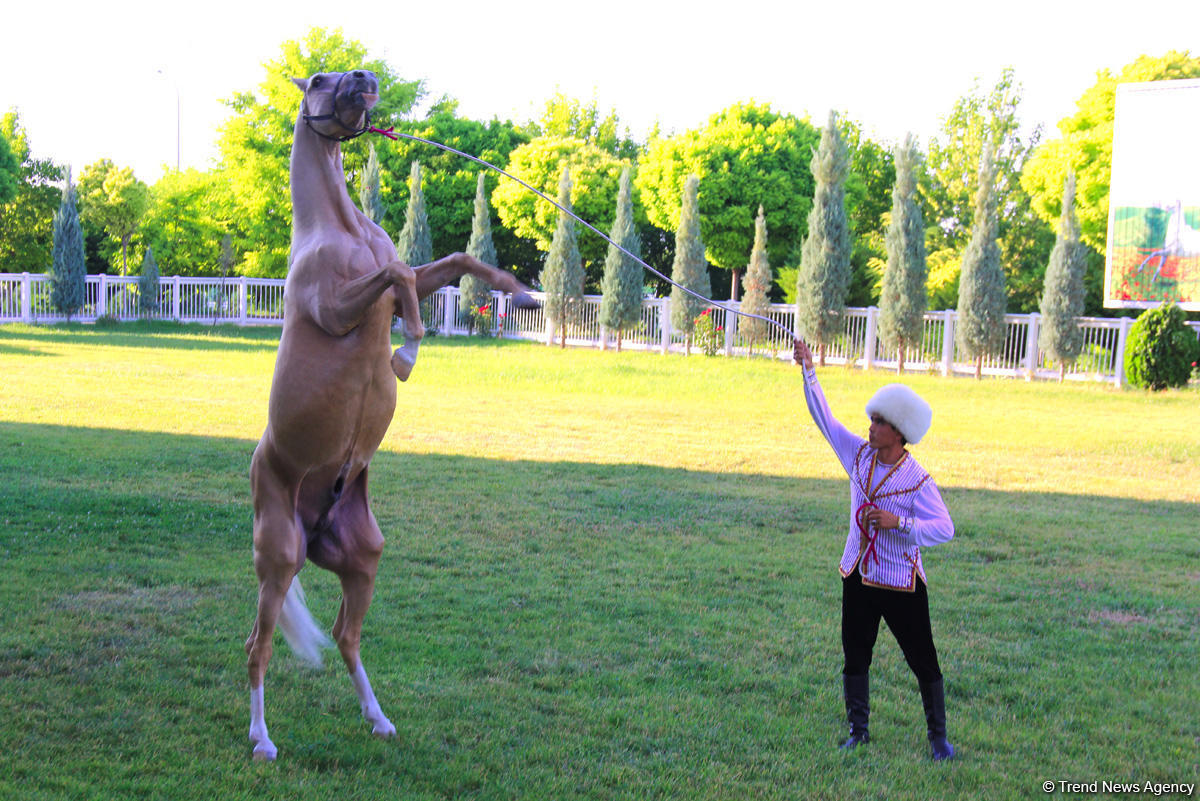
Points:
[(608, 576)]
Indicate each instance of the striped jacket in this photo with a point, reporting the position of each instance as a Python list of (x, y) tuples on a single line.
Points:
[(888, 558)]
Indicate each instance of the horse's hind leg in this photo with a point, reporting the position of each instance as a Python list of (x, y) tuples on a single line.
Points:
[(278, 554), (351, 548)]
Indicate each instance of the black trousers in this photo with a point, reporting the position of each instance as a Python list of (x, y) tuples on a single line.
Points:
[(906, 614)]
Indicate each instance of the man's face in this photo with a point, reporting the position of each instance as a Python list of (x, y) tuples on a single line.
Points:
[(882, 434)]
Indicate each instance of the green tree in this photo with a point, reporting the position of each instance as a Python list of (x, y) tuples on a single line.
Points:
[(255, 141), (414, 246), (474, 293), (562, 276), (1062, 299), (10, 172), (68, 269), (756, 285), (113, 199), (824, 275), (902, 299), (189, 213), (448, 180), (595, 174), (621, 301), (26, 221), (368, 190), (567, 117), (148, 285), (951, 182), (979, 330), (690, 268), (868, 194), (745, 156), (1085, 147)]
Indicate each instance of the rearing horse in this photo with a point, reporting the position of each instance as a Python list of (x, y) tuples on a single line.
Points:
[(333, 393)]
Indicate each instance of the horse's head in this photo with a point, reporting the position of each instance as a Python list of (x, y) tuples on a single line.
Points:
[(337, 105)]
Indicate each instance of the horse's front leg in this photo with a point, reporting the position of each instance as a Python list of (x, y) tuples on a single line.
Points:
[(408, 308), (437, 274), (340, 306)]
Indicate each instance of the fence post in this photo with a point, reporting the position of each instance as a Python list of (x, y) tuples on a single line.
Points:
[(1031, 345), (175, 299), (869, 340), (26, 298), (501, 313), (948, 342), (449, 306), (731, 324), (664, 323), (243, 300), (1122, 335), (102, 296)]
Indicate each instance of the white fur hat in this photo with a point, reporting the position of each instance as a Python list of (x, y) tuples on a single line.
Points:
[(904, 409)]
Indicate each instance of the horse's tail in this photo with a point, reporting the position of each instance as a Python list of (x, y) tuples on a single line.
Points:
[(298, 627)]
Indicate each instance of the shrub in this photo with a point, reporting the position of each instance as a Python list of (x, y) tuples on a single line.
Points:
[(1161, 349), (710, 337)]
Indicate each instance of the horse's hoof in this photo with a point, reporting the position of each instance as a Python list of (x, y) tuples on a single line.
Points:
[(521, 300), (402, 363), (383, 729), (265, 751)]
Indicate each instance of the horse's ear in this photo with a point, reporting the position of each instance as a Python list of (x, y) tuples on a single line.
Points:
[(302, 83)]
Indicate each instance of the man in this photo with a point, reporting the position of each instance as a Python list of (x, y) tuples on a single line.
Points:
[(895, 509)]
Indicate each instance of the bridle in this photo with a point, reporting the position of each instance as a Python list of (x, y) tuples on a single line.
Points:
[(333, 115)]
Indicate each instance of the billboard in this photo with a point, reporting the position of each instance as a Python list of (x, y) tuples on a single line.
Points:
[(1153, 252)]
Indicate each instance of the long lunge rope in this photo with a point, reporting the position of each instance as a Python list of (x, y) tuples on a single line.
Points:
[(390, 133)]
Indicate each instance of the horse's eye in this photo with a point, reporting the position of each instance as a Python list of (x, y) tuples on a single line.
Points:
[(315, 82)]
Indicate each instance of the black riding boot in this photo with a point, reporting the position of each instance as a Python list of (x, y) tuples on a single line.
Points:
[(934, 699), (858, 709)]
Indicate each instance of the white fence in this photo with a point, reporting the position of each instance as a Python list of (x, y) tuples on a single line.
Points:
[(259, 301)]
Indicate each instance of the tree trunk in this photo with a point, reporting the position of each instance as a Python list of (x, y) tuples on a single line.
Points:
[(978, 367), (900, 360), (620, 333), (821, 354), (1062, 372), (733, 287)]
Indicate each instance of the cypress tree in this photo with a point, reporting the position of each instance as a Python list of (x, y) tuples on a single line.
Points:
[(1062, 294), (415, 244), (148, 286), (474, 293), (621, 288), (368, 194), (68, 270), (902, 299), (690, 267), (824, 276), (979, 330), (562, 276), (756, 284)]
